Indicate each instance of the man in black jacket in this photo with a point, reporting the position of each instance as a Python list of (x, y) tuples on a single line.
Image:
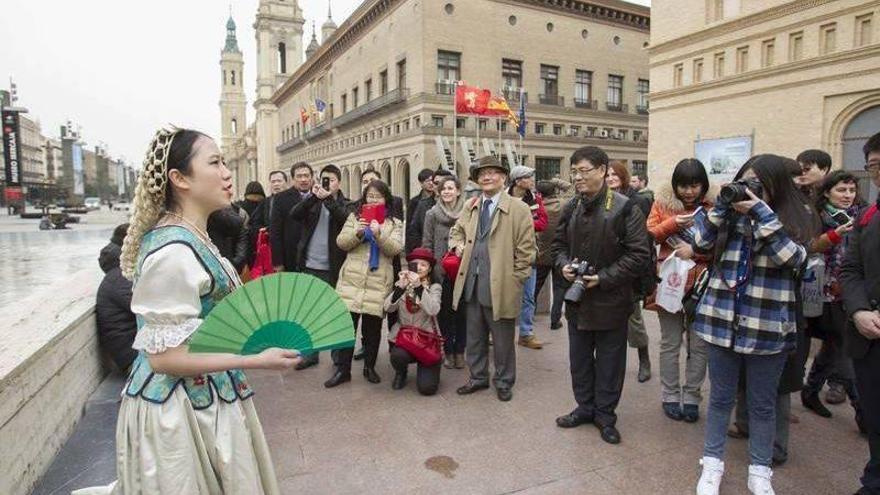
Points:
[(608, 231), (860, 278), (321, 217), (284, 231), (116, 323)]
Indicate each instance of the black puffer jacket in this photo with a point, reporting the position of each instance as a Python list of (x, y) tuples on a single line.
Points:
[(228, 230), (613, 238), (116, 322)]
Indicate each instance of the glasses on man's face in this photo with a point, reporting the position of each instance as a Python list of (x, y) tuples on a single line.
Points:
[(873, 166), (583, 171)]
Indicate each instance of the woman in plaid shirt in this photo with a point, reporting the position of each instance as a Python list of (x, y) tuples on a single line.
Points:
[(747, 313)]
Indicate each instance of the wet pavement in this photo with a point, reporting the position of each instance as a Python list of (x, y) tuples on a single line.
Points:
[(361, 438), (34, 260)]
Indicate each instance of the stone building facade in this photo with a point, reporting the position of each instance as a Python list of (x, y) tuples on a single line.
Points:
[(386, 77), (779, 76)]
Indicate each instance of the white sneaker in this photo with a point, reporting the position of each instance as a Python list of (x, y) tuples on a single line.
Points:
[(710, 480), (759, 480)]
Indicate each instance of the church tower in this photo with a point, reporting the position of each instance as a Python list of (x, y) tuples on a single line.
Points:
[(279, 32), (232, 99), (329, 26)]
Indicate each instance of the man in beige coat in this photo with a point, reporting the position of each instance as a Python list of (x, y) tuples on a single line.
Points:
[(495, 238)]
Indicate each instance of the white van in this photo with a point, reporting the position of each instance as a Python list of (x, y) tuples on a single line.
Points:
[(92, 204)]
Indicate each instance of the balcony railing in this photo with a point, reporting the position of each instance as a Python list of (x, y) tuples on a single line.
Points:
[(617, 107), (288, 145), (445, 88), (589, 104), (390, 98), (556, 100), (316, 131), (513, 94), (642, 109)]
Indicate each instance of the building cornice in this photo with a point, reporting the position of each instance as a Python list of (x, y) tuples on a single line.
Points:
[(757, 36), (371, 12), (816, 62), (736, 24)]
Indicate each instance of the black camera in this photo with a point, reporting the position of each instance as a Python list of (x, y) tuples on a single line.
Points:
[(575, 293), (736, 191)]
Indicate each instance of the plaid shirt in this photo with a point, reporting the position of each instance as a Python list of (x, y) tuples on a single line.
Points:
[(749, 304)]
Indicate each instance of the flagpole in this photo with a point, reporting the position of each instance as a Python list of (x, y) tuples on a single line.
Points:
[(455, 127), (477, 119)]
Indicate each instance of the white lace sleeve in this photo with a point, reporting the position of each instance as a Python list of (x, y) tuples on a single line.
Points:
[(167, 298)]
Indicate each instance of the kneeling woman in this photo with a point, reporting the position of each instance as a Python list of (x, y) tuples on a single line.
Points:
[(417, 302), (186, 422)]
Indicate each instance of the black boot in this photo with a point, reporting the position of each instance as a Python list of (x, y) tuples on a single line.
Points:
[(307, 362), (399, 381), (644, 365), (811, 401), (359, 354), (371, 375)]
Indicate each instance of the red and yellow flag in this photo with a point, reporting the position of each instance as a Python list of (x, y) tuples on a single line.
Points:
[(471, 100), (303, 115)]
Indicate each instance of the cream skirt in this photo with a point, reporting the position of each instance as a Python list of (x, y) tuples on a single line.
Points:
[(173, 448)]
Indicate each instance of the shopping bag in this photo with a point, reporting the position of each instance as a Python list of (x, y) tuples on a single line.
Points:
[(812, 287), (673, 276)]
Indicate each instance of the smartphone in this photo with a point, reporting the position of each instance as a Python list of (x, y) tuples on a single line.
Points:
[(842, 218), (413, 266), (325, 183), (694, 213)]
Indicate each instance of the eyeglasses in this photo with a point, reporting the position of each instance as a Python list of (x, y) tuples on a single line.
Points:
[(375, 197), (872, 166), (583, 171)]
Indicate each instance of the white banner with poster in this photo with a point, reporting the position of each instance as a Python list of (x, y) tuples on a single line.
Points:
[(723, 157)]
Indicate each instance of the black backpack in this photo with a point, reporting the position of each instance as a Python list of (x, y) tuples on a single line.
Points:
[(646, 285)]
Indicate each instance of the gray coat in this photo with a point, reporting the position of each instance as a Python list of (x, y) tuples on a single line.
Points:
[(438, 222)]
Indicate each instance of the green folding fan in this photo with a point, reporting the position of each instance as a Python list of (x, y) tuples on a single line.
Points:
[(285, 310)]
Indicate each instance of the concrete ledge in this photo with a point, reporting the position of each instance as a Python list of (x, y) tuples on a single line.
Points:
[(49, 366)]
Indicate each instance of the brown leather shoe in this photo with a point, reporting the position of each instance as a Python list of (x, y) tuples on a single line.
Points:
[(531, 342)]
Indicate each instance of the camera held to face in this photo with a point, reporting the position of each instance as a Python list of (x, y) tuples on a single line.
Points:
[(575, 293), (736, 191)]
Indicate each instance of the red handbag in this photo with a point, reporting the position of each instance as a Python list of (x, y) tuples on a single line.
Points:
[(425, 346), (451, 263)]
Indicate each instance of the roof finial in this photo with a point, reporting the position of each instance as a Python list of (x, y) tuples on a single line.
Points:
[(329, 10)]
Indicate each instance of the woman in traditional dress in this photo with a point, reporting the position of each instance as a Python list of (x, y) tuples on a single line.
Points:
[(186, 422)]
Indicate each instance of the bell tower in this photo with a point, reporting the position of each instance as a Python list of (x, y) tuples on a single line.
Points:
[(279, 32), (232, 99)]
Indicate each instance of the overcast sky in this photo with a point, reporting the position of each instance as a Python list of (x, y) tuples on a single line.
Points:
[(120, 69)]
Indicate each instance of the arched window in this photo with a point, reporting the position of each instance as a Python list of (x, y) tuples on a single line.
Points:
[(282, 58), (233, 78), (234, 126)]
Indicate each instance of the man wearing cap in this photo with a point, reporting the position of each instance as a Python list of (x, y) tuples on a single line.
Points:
[(496, 241), (522, 186)]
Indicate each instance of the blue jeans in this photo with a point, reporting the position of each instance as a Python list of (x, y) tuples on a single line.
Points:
[(762, 382), (527, 312)]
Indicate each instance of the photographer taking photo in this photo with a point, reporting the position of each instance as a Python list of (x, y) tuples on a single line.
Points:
[(602, 246), (758, 230)]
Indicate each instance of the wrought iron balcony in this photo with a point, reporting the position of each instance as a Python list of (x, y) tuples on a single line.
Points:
[(556, 100), (617, 107), (289, 145), (390, 98), (316, 131), (589, 104), (642, 109)]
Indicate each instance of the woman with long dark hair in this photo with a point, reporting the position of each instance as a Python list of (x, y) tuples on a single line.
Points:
[(671, 224), (758, 231), (372, 238), (838, 204)]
